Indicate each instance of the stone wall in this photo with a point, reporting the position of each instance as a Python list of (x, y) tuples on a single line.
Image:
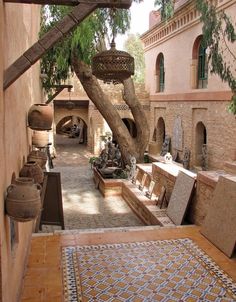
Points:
[(220, 128), (206, 181), (19, 25)]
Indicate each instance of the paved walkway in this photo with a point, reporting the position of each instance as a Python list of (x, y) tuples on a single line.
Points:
[(84, 206)]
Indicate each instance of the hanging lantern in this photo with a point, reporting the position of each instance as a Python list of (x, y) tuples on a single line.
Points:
[(70, 105), (113, 66)]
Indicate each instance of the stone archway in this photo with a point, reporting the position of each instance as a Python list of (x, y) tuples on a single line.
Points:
[(200, 140), (65, 125)]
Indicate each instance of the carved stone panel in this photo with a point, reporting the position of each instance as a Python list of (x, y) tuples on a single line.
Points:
[(177, 139), (180, 197)]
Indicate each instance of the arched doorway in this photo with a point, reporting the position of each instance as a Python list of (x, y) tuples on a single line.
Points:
[(200, 140), (160, 132), (74, 127), (130, 124)]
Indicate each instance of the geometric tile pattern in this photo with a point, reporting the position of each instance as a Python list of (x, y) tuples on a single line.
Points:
[(164, 270)]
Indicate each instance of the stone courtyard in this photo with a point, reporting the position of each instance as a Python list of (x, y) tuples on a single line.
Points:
[(84, 206)]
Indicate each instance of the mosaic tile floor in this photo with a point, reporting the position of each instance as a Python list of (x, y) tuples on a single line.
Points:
[(165, 270)]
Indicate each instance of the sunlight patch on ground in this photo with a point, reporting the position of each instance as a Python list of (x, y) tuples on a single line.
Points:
[(117, 207)]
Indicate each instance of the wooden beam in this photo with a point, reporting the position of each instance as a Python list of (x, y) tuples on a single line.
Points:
[(44, 2), (101, 3), (48, 40), (58, 88)]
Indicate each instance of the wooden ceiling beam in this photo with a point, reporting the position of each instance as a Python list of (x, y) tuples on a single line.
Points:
[(100, 3)]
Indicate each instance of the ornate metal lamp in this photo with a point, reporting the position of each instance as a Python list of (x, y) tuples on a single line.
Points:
[(113, 66)]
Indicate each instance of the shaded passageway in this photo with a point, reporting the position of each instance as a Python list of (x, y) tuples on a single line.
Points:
[(84, 207)]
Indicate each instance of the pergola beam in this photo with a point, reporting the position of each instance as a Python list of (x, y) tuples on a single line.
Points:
[(100, 3), (48, 40)]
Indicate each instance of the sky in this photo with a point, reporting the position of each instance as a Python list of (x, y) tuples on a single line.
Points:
[(139, 20)]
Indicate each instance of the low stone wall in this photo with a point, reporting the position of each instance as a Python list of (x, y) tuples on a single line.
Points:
[(138, 203), (164, 175), (108, 187)]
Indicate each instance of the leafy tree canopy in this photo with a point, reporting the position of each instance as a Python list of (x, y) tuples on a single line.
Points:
[(133, 46), (166, 8)]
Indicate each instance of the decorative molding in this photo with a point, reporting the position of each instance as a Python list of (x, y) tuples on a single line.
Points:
[(195, 96), (185, 17)]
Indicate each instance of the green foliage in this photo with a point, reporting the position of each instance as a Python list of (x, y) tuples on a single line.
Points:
[(120, 174), (92, 159), (84, 40), (166, 7), (134, 47), (218, 37)]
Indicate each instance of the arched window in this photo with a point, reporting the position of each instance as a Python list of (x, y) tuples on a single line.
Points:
[(160, 73), (202, 67), (199, 68)]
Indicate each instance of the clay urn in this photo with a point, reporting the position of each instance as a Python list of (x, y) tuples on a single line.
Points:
[(40, 139), (33, 170), (39, 157), (40, 117), (23, 202)]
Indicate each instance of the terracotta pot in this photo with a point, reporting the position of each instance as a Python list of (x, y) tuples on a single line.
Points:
[(32, 170), (40, 138), (23, 201), (40, 117), (39, 157)]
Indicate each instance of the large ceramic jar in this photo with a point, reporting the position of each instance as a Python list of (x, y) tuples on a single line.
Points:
[(32, 170), (39, 157), (40, 138), (23, 201), (40, 117)]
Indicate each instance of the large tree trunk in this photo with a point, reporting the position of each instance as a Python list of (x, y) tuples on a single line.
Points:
[(129, 146)]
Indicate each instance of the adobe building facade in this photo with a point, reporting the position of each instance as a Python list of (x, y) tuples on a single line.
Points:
[(187, 103), (19, 27)]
